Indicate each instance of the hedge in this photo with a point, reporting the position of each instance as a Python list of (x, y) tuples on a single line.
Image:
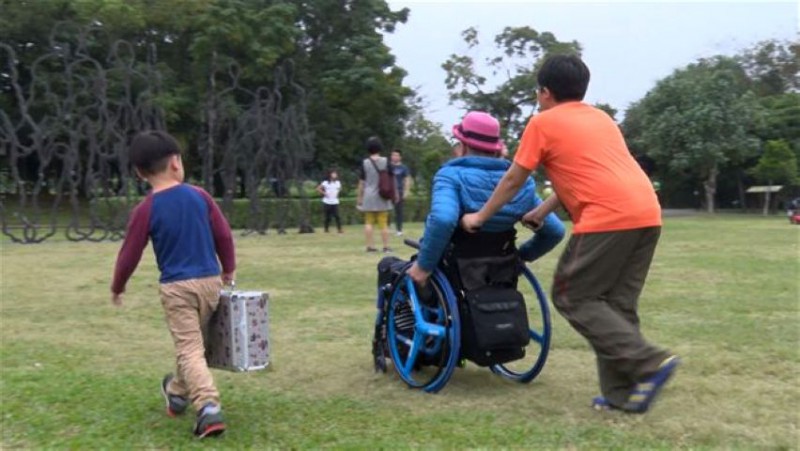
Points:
[(287, 213), (291, 210)]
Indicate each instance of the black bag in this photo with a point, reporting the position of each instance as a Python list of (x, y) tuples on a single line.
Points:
[(389, 270), (494, 317), (386, 188), (494, 325)]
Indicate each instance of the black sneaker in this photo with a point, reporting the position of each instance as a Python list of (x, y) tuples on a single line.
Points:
[(387, 250), (176, 405), (209, 421)]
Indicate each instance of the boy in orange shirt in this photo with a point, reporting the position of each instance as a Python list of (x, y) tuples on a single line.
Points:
[(617, 223)]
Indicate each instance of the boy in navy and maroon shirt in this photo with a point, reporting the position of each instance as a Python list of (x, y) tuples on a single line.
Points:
[(188, 232)]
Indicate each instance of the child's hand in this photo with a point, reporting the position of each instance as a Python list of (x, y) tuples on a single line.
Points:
[(471, 222), (533, 219), (116, 299)]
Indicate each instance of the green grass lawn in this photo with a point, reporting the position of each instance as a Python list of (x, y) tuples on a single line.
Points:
[(79, 373)]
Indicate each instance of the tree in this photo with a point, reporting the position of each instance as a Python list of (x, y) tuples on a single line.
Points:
[(512, 101), (777, 164), (698, 121), (356, 89), (782, 119), (333, 48), (773, 66), (424, 146), (610, 110)]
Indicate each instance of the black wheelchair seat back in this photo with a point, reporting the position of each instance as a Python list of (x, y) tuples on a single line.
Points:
[(484, 269), (476, 260)]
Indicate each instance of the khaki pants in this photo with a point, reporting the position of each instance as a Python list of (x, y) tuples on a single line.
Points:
[(188, 305), (596, 288)]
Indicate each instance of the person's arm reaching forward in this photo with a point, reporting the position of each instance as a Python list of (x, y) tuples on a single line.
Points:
[(536, 217), (508, 187)]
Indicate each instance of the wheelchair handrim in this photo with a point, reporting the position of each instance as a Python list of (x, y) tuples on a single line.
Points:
[(451, 340)]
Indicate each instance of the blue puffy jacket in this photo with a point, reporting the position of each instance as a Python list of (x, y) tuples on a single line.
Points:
[(462, 186)]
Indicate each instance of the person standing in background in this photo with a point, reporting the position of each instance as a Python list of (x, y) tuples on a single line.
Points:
[(402, 183), (330, 188), (376, 208)]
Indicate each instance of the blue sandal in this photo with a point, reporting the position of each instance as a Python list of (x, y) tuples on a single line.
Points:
[(645, 392), (602, 404)]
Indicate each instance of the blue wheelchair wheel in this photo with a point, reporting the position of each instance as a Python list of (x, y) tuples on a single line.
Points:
[(540, 330), (424, 338)]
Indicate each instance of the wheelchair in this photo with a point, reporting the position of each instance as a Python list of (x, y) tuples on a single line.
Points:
[(423, 331)]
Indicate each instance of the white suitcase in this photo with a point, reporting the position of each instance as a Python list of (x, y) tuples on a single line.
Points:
[(238, 335)]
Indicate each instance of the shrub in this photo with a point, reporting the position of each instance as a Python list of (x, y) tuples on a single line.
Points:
[(290, 213)]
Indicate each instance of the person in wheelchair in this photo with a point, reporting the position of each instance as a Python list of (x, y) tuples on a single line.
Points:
[(464, 184), (485, 266)]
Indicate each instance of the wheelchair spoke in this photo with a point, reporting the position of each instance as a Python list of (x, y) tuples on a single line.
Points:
[(413, 350), (535, 336), (403, 339), (431, 330)]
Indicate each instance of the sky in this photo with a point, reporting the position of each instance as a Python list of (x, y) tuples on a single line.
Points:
[(628, 46)]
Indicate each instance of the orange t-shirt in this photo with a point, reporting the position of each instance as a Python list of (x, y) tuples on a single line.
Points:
[(593, 173)]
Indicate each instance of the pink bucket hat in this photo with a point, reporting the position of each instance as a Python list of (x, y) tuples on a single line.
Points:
[(480, 131)]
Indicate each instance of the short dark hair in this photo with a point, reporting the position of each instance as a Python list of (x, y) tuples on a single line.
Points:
[(565, 76), (150, 151), (398, 152), (374, 145)]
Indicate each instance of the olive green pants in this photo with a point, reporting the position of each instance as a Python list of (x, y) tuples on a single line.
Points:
[(596, 287)]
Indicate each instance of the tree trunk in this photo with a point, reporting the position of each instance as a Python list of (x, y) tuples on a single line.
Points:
[(710, 186), (766, 198), (211, 116), (742, 192)]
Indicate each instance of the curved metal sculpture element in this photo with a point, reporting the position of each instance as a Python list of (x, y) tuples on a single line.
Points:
[(254, 142), (64, 143), (63, 159)]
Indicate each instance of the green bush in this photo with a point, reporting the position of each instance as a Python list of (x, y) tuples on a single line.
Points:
[(290, 213), (286, 212)]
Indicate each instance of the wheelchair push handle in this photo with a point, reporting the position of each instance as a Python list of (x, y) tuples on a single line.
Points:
[(411, 243)]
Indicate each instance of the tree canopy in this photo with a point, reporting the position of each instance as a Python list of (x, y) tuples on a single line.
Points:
[(509, 92), (332, 50), (707, 123)]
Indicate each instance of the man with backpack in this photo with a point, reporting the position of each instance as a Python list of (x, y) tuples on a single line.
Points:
[(375, 194)]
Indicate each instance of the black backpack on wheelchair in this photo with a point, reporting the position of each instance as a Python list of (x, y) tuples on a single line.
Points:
[(484, 270)]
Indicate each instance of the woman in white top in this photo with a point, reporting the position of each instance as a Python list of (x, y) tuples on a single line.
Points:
[(329, 189)]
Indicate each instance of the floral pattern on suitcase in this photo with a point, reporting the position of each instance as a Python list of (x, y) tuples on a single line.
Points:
[(238, 336)]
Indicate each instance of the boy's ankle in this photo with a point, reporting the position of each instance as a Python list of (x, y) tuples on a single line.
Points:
[(209, 408)]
